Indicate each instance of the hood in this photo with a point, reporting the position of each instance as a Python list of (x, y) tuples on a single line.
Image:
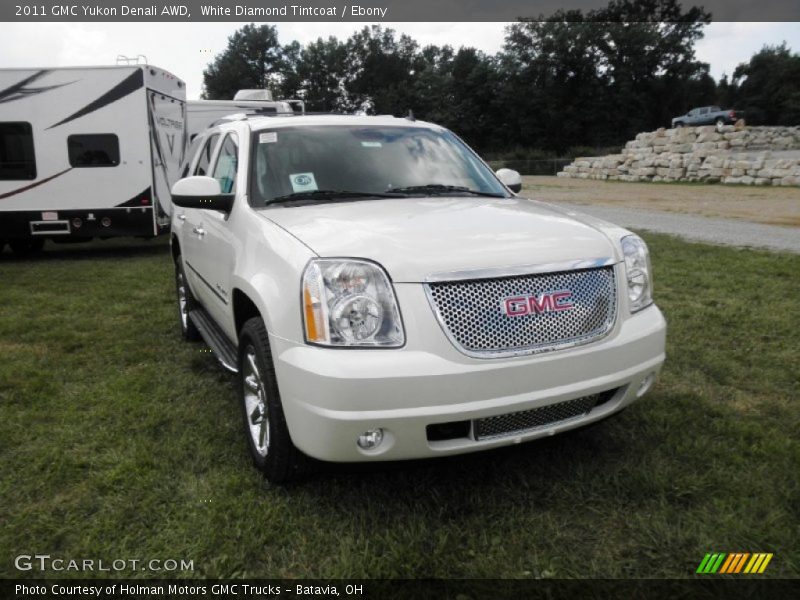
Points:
[(414, 238)]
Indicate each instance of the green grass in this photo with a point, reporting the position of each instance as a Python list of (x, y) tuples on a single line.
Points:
[(117, 440)]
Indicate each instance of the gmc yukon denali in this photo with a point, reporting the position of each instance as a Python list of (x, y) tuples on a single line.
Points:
[(382, 295)]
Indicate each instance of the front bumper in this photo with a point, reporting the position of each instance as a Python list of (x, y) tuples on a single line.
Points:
[(331, 396)]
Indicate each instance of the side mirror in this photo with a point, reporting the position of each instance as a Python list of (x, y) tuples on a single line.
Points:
[(511, 179), (201, 192)]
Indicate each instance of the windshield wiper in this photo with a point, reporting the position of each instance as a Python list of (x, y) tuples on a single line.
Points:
[(330, 195), (437, 188)]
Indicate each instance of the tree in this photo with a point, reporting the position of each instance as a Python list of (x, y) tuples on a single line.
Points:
[(768, 87), (253, 60), (600, 77), (471, 108), (648, 60), (321, 71), (550, 69), (573, 79), (380, 71)]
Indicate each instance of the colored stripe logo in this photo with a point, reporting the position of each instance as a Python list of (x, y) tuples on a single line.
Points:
[(734, 563)]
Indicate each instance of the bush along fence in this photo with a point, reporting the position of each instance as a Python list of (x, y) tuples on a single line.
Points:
[(532, 166), (733, 154)]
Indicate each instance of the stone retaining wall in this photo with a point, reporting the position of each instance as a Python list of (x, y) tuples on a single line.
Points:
[(730, 154)]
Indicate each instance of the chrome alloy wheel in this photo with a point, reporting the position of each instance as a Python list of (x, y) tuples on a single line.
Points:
[(255, 402), (182, 301)]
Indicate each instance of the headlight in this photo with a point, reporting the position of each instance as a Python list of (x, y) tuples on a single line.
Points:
[(350, 303), (639, 274)]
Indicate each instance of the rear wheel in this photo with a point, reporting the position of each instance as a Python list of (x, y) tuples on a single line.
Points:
[(26, 247), (186, 302), (268, 438), (679, 124), (720, 122), (2, 245)]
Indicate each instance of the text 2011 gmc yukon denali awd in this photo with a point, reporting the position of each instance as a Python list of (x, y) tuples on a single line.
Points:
[(383, 295)]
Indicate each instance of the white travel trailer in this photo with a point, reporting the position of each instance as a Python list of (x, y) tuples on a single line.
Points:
[(88, 152), (202, 114)]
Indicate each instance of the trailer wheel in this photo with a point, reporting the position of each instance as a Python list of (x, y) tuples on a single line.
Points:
[(268, 438), (186, 302), (26, 247)]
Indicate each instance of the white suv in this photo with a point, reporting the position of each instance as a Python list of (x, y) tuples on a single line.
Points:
[(383, 295)]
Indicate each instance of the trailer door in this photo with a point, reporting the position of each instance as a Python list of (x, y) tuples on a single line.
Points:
[(167, 116)]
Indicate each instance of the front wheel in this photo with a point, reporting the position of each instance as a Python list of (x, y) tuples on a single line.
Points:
[(268, 438), (720, 122)]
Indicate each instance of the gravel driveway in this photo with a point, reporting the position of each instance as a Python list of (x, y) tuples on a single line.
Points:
[(729, 232), (733, 215), (759, 204)]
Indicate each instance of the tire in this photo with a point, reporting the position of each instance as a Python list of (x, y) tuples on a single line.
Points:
[(26, 247), (679, 124), (268, 439), (185, 303), (2, 245), (719, 122)]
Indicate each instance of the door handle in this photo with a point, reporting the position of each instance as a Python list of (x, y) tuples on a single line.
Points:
[(199, 231)]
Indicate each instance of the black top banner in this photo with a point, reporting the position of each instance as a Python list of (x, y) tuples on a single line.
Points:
[(375, 11)]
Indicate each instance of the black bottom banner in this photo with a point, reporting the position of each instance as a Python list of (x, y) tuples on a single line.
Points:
[(439, 589)]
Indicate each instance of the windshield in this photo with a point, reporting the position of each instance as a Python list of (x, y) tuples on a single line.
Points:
[(327, 161)]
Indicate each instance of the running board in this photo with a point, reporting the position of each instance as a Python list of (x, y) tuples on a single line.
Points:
[(216, 339)]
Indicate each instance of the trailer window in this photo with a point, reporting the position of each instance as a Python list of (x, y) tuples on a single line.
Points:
[(93, 150), (205, 156), (17, 160), (227, 161)]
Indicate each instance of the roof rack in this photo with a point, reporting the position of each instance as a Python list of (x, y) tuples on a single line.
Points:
[(245, 116)]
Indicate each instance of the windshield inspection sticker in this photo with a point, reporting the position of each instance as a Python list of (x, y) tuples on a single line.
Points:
[(371, 144), (303, 182), (269, 137)]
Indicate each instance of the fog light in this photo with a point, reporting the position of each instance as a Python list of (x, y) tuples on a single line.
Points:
[(370, 439), (646, 384)]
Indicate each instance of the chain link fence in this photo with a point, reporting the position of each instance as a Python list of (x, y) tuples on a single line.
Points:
[(539, 166)]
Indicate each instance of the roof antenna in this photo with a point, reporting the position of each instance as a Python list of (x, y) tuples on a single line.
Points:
[(410, 116)]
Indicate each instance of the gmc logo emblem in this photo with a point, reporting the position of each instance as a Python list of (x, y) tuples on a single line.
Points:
[(519, 306)]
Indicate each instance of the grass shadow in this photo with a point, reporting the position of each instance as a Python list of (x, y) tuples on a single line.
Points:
[(119, 248)]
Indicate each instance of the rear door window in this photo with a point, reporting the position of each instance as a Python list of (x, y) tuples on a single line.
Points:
[(227, 163), (189, 156), (202, 167)]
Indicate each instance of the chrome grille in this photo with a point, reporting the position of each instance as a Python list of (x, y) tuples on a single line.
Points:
[(529, 420), (471, 313)]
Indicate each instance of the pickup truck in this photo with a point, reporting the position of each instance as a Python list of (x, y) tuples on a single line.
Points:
[(706, 115), (381, 294)]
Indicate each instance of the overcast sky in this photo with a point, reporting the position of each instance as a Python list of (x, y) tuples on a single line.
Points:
[(186, 48)]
